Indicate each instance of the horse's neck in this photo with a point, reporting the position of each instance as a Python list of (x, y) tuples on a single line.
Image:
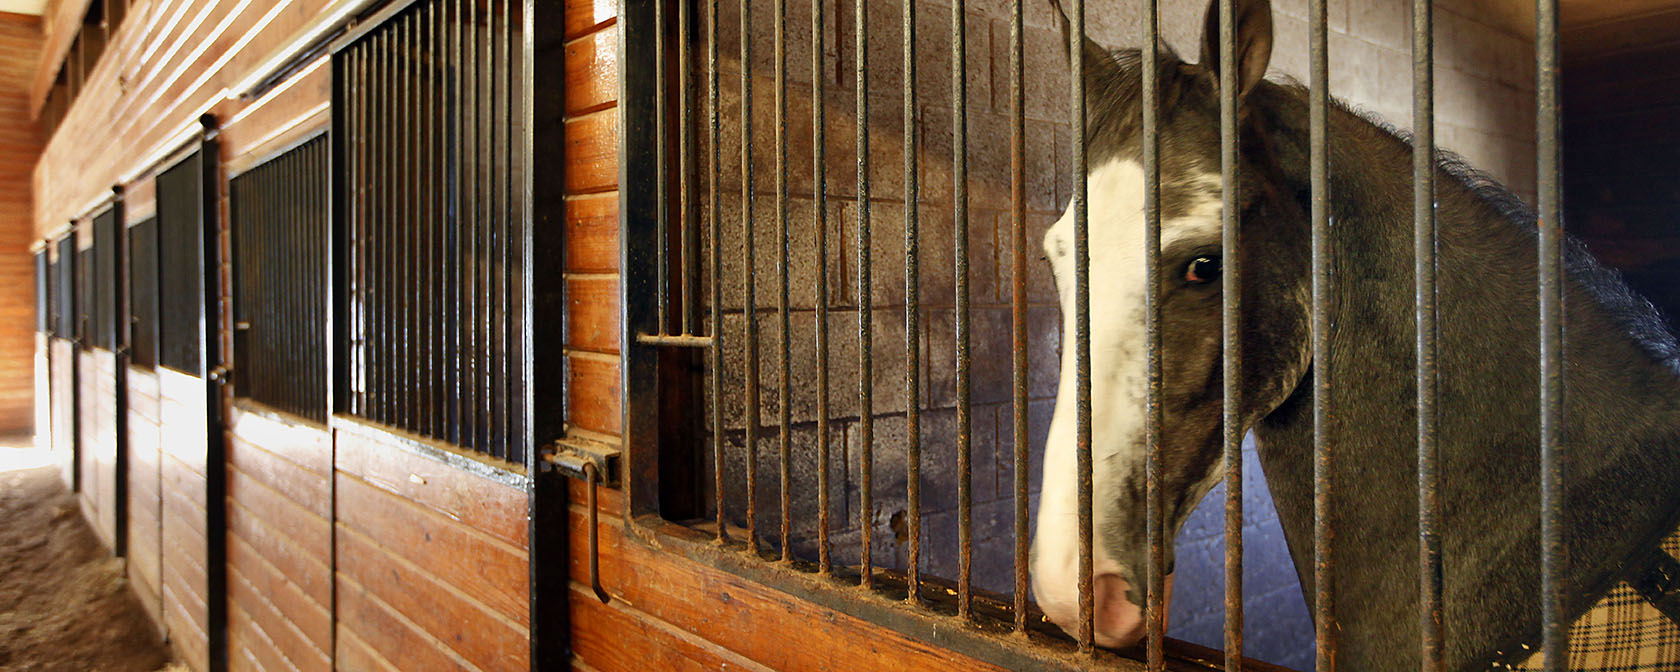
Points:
[(1622, 430)]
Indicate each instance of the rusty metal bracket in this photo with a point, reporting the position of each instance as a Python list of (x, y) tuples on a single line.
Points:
[(570, 456)]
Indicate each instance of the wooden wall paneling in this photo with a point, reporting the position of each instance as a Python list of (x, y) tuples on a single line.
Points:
[(489, 571), (615, 637), (744, 617), (593, 393), (472, 630), (354, 654), (63, 355), (592, 233), (273, 625), (313, 619), (476, 502), (592, 313), (145, 495), (387, 634), (305, 568)]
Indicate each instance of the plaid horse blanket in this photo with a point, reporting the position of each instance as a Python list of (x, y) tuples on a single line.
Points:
[(1624, 632)]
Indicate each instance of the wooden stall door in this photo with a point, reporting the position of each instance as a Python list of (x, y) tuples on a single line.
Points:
[(189, 411)]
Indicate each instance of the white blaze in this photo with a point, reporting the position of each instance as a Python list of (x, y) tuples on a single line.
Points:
[(1118, 373)]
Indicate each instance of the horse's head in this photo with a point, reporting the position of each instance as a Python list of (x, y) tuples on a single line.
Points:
[(1275, 313)]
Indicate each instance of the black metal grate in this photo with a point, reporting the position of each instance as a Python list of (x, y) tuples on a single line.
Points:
[(180, 283), (102, 315), (427, 130), (279, 212), (143, 293), (43, 310), (84, 298), (63, 286)]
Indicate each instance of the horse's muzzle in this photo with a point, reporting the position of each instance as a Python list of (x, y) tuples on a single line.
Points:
[(1118, 622)]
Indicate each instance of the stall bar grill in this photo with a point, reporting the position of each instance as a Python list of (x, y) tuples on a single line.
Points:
[(698, 285)]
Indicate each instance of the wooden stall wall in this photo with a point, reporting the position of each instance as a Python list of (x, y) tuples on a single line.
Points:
[(20, 145), (145, 436)]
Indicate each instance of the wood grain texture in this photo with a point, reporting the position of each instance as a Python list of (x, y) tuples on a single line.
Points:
[(592, 233), (592, 313), (592, 401), (387, 634), (591, 71), (465, 625), (592, 153), (487, 570), (749, 619), (616, 638), (287, 638), (474, 501), (585, 16)]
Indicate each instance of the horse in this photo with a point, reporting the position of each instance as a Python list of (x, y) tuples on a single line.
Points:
[(1621, 379)]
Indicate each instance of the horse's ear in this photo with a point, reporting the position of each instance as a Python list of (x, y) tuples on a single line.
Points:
[(1099, 64), (1254, 41)]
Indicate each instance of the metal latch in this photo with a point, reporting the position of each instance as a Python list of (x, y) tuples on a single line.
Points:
[(595, 464), (570, 456)]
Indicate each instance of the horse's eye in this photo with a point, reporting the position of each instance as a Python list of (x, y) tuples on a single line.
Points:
[(1202, 270)]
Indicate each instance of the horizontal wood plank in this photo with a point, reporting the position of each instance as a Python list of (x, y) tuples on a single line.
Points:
[(592, 233), (615, 637), (387, 634), (490, 571), (592, 318), (592, 72), (476, 502), (592, 398), (467, 626)]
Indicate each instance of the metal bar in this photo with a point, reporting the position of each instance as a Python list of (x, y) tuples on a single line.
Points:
[(1155, 527), (467, 210), (385, 273), (676, 341), (483, 228), (715, 231), (496, 40), (1324, 607), (449, 101), (1231, 352), (1555, 628), (785, 394), (912, 312), (819, 185), (408, 241), (661, 180), (749, 302), (1423, 223), (959, 244), (1082, 325), (688, 175), (1018, 302), (429, 220), (865, 299)]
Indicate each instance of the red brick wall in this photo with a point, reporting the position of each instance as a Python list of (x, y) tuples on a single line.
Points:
[(20, 145)]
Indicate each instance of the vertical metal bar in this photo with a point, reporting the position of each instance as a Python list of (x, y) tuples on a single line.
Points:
[(385, 273), (410, 362), (912, 311), (819, 185), (1324, 607), (749, 304), (785, 394), (1423, 222), (467, 210), (357, 230), (496, 41), (1082, 325), (483, 187), (1552, 456), (959, 221), (450, 160), (1231, 278), (426, 56), (865, 299), (1018, 302), (715, 232), (687, 187), (661, 181), (1155, 527)]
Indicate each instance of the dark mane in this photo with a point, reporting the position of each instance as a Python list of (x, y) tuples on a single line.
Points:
[(1637, 315)]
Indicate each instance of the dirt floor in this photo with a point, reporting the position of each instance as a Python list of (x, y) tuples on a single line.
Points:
[(64, 603)]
